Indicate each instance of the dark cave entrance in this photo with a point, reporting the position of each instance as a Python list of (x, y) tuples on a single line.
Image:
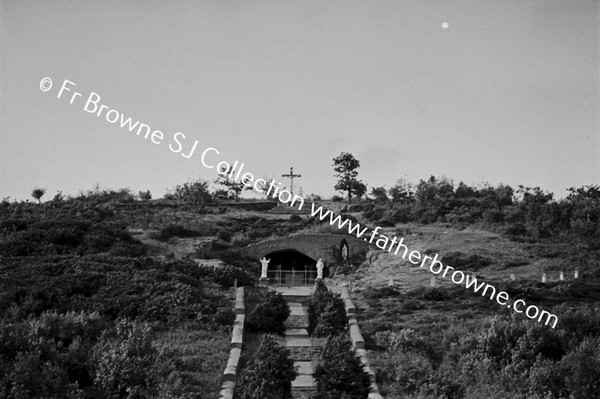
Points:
[(292, 267)]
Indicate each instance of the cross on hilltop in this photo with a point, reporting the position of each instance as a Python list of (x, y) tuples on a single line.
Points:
[(291, 176)]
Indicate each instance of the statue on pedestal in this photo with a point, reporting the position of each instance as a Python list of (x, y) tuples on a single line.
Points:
[(320, 269), (265, 264)]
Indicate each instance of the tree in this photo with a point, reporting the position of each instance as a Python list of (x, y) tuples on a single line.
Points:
[(232, 189), (191, 193), (145, 195), (38, 193), (380, 194), (341, 372), (269, 374), (270, 315), (345, 167), (326, 312), (402, 192), (264, 188)]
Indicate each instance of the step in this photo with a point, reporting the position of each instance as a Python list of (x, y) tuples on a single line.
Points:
[(296, 322), (304, 368), (296, 331), (304, 353), (296, 309), (297, 341), (303, 381), (304, 386), (303, 392)]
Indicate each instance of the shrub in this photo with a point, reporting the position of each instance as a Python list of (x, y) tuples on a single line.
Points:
[(46, 357), (226, 275), (466, 262), (174, 230), (326, 312), (341, 374), (382, 292), (270, 315), (331, 320), (582, 369), (240, 239), (295, 219), (123, 362), (269, 374), (428, 293)]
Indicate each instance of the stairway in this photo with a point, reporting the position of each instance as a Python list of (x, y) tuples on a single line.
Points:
[(303, 353)]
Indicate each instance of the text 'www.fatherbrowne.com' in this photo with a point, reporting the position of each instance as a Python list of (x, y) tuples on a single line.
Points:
[(435, 266), (92, 104)]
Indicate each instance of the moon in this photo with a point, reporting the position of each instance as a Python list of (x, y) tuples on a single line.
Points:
[(445, 25)]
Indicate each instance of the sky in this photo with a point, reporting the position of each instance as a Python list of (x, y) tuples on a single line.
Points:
[(504, 92)]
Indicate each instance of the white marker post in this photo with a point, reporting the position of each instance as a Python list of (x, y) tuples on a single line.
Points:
[(561, 276), (512, 277), (576, 274), (433, 281), (544, 278)]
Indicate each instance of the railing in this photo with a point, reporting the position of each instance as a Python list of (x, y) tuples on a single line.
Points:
[(291, 277)]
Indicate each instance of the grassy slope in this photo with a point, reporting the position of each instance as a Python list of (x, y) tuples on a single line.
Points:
[(403, 306)]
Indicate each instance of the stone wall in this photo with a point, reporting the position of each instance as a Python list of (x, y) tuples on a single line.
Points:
[(235, 351), (359, 343)]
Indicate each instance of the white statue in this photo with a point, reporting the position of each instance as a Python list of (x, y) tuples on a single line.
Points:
[(320, 269), (265, 264)]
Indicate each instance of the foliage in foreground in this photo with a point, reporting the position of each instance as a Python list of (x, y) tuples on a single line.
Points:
[(341, 373), (326, 312), (269, 374), (270, 314), (84, 327), (501, 358)]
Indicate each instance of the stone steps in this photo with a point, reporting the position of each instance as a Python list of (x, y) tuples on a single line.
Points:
[(301, 348), (296, 322)]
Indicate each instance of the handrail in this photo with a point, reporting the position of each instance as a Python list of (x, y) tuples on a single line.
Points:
[(291, 277)]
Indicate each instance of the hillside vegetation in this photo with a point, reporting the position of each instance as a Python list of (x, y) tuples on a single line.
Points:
[(447, 342), (104, 295)]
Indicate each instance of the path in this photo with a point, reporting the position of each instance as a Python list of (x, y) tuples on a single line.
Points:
[(298, 342)]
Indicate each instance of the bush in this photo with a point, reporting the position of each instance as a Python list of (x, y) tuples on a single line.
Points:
[(466, 262), (46, 357), (295, 219), (582, 369), (382, 292), (226, 275), (174, 230), (331, 320), (326, 312), (270, 315), (428, 293), (269, 374), (341, 374), (240, 239), (124, 361)]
